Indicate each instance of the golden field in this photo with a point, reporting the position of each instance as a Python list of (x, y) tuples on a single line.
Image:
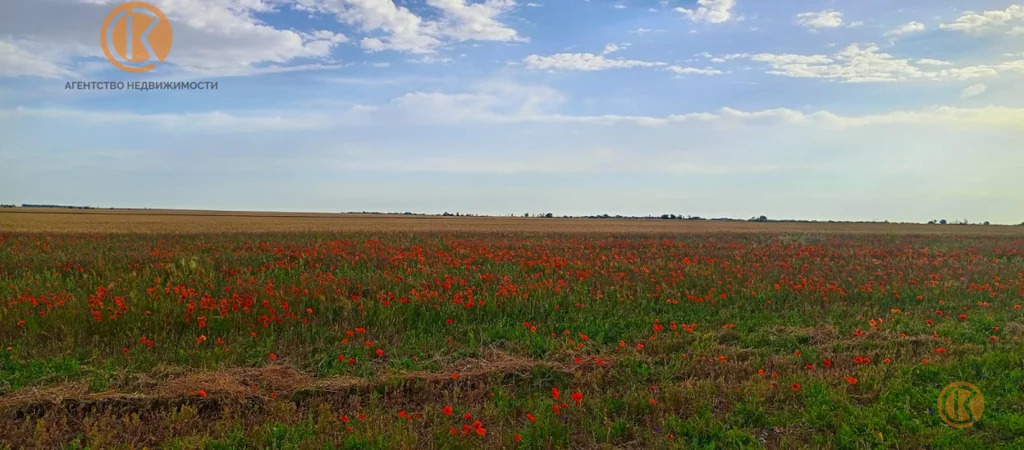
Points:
[(193, 221)]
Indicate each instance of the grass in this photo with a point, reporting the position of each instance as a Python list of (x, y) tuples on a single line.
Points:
[(361, 340)]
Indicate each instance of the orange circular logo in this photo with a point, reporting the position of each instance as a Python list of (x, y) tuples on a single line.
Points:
[(135, 36), (961, 404)]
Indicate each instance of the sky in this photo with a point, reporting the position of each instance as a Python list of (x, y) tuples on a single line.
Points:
[(907, 110)]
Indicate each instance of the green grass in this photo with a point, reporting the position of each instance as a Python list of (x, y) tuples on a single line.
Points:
[(512, 313)]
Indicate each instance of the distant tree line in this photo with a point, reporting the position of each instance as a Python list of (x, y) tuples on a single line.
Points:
[(29, 205), (959, 222)]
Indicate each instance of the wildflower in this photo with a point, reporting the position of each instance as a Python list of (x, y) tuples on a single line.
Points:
[(554, 393), (851, 380), (273, 356), (201, 393), (447, 410), (578, 397), (530, 417), (796, 387)]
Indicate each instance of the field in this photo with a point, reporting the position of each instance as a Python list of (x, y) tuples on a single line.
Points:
[(227, 330)]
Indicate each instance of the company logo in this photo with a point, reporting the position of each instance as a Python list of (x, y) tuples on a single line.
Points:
[(135, 36), (961, 404)]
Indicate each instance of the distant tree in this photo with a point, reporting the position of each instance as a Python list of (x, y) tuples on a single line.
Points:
[(526, 214), (986, 223), (549, 215), (932, 222), (942, 222), (759, 219)]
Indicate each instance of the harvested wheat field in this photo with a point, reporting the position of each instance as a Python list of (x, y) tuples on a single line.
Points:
[(187, 221), (225, 330)]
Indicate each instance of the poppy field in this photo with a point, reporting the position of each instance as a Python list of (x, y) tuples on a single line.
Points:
[(507, 340)]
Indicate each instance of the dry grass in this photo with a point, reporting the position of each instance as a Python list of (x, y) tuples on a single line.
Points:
[(186, 221), (237, 384)]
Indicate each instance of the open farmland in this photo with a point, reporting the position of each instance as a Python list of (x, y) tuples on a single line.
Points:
[(376, 332), (60, 220)]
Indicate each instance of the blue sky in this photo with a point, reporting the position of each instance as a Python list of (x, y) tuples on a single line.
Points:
[(855, 110)]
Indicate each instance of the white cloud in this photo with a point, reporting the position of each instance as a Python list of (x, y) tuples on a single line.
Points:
[(933, 62), (642, 31), (583, 62), (15, 61), (610, 48), (210, 36), (476, 21), (819, 19), (711, 11), (402, 30), (973, 90), (212, 120), (509, 103), (860, 63), (398, 28), (987, 21), (590, 62), (694, 71), (907, 28)]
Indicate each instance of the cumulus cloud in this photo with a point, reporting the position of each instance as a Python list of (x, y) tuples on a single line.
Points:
[(987, 21), (973, 90), (819, 19), (907, 28), (590, 62), (210, 36), (860, 63), (395, 27), (679, 70), (584, 62), (711, 11)]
